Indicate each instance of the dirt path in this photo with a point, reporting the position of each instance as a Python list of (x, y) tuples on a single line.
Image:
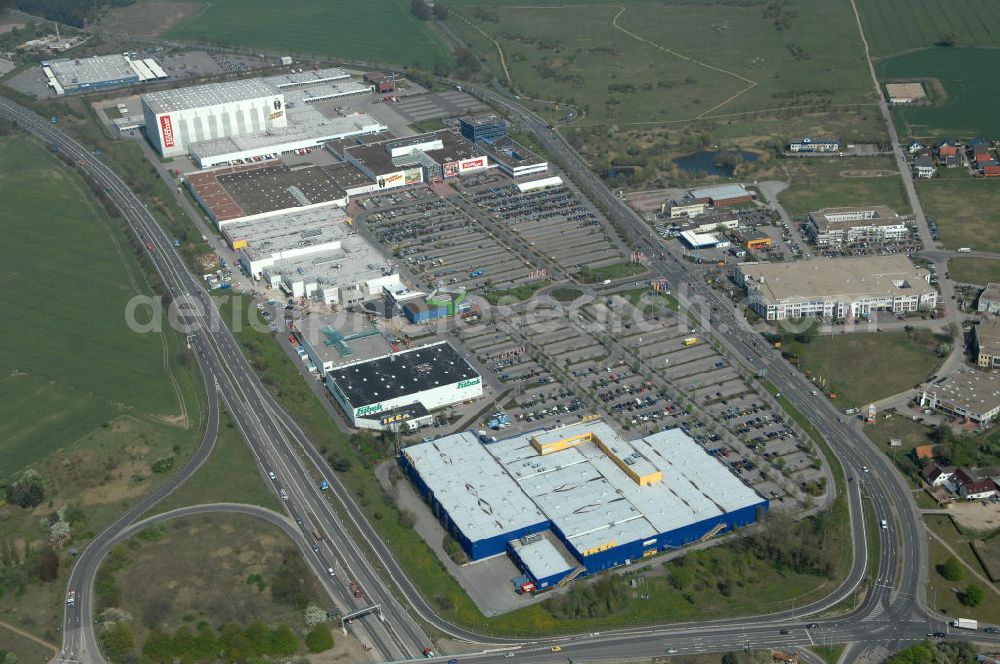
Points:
[(959, 558), (31, 637), (750, 85)]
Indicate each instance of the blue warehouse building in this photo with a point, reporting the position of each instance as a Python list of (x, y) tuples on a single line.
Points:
[(579, 499), (486, 128)]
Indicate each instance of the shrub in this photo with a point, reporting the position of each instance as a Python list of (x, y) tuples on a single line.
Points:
[(951, 569), (973, 595), (319, 639)]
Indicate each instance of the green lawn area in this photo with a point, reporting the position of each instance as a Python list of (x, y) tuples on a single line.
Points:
[(941, 593), (617, 271), (988, 553), (862, 368), (639, 295), (979, 271), (830, 654), (909, 433), (385, 32), (669, 61), (516, 294), (565, 294), (819, 183), (971, 81), (967, 211), (945, 528), (213, 569), (229, 475), (102, 413)]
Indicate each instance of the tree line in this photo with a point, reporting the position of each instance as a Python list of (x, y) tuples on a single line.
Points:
[(70, 12)]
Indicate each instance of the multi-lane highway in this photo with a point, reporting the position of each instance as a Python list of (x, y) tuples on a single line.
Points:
[(892, 614), (273, 438)]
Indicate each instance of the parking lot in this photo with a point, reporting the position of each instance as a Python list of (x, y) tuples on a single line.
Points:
[(556, 223), (439, 243), (559, 368), (639, 370)]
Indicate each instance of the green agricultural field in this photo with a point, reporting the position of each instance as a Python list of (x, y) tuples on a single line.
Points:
[(967, 211), (644, 62), (979, 271), (895, 26), (818, 183), (69, 361), (971, 81), (380, 31), (862, 368), (103, 414)]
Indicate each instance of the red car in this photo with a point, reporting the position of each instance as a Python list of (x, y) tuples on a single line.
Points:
[(292, 340)]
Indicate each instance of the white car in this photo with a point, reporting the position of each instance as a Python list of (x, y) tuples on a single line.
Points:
[(329, 570), (671, 651), (283, 494), (272, 475)]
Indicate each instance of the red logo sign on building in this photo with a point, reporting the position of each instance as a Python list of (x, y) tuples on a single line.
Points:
[(471, 163), (167, 128)]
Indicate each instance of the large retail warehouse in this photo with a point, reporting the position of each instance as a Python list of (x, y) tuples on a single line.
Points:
[(578, 499), (406, 385)]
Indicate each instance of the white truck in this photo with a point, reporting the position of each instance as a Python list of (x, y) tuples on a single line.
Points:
[(965, 623), (964, 250)]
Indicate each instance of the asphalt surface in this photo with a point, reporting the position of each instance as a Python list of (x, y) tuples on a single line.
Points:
[(892, 614), (275, 445)]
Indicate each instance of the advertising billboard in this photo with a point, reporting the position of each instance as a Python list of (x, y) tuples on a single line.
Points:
[(167, 131), (396, 179), (414, 176), (450, 169), (471, 164)]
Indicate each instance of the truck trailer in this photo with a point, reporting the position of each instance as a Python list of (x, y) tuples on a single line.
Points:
[(965, 623)]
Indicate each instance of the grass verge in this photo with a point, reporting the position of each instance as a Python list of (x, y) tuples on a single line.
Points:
[(979, 271), (229, 475)]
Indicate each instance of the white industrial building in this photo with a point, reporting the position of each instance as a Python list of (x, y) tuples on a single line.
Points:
[(175, 119), (406, 161), (847, 225), (836, 288), (335, 340), (403, 386), (970, 395), (235, 121), (99, 72), (313, 254), (697, 240)]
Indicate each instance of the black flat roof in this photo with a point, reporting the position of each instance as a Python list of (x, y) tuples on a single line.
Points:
[(401, 374)]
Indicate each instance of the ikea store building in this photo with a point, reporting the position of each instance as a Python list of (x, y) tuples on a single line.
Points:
[(578, 499)]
